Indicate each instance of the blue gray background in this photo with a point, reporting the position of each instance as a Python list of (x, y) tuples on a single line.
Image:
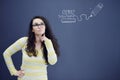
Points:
[(90, 49)]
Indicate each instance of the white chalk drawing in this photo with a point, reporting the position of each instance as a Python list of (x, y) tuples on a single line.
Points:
[(69, 16)]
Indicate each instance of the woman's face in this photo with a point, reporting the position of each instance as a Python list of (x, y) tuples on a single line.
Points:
[(38, 26)]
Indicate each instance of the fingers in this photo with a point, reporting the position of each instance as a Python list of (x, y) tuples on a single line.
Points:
[(20, 73), (43, 34), (42, 37)]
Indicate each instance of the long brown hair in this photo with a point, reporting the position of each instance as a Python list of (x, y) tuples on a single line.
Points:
[(30, 49)]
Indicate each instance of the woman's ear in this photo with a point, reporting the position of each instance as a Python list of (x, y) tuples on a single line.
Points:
[(32, 30)]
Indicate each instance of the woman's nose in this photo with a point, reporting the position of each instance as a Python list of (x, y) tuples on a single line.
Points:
[(39, 26)]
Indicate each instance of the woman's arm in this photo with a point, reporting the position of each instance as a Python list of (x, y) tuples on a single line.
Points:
[(52, 57), (16, 46)]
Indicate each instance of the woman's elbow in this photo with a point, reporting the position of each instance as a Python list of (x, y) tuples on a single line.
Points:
[(52, 62), (4, 54)]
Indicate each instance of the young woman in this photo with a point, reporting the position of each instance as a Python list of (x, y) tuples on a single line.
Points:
[(39, 49)]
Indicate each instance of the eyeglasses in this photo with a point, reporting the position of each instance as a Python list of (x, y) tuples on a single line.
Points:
[(36, 24)]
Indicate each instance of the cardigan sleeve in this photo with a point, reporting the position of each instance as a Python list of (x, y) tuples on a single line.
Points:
[(52, 57), (12, 49)]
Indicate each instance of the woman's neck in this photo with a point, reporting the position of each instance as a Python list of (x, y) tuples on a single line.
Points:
[(37, 38), (37, 42)]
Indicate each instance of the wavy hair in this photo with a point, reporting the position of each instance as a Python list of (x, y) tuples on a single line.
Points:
[(30, 49)]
